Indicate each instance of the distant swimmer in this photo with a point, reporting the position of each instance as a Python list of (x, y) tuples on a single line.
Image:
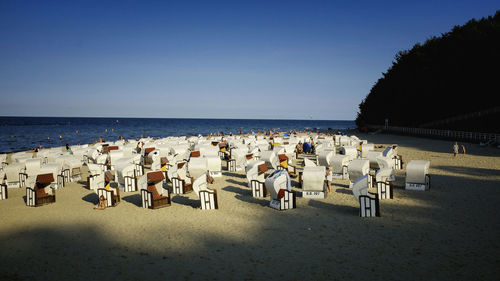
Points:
[(60, 137)]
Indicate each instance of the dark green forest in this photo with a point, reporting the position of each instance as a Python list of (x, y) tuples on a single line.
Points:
[(455, 74)]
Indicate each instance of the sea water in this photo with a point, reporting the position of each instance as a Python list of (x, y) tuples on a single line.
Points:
[(26, 133)]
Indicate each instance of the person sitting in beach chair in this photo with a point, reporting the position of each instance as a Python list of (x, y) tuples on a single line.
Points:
[(102, 203)]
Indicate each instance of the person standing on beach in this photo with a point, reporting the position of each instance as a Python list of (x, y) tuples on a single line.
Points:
[(455, 149), (329, 178), (463, 149)]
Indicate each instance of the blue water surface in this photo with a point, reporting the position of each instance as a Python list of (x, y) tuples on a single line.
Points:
[(25, 133)]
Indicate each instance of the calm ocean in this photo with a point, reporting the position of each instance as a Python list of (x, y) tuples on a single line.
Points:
[(25, 133)]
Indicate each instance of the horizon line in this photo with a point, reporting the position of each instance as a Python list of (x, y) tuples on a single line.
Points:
[(220, 118)]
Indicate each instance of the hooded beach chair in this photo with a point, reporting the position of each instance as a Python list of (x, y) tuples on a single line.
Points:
[(325, 157), (313, 182), (358, 168), (12, 174), (197, 166), (350, 151), (368, 202), (238, 160), (181, 183), (153, 194), (339, 164), (95, 180), (384, 178), (4, 191), (32, 169), (270, 158), (109, 193), (255, 172), (208, 197), (279, 186), (126, 175), (42, 193), (417, 175), (284, 164), (392, 153)]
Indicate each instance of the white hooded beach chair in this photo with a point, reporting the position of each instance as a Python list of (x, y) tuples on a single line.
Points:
[(32, 169), (181, 183), (270, 158), (56, 170), (255, 171), (350, 151), (313, 182), (153, 195), (12, 174), (42, 192), (279, 186), (214, 165), (284, 164), (339, 164), (365, 148), (325, 158), (372, 156), (126, 175), (309, 163), (384, 178), (358, 168), (417, 175), (109, 193), (238, 160), (4, 191), (368, 202), (208, 197), (95, 179), (197, 166), (392, 153)]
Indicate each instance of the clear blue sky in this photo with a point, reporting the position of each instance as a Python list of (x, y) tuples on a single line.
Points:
[(213, 59)]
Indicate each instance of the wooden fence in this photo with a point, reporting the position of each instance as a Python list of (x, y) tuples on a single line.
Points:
[(442, 134)]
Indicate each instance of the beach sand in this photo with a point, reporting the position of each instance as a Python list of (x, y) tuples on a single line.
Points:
[(451, 232)]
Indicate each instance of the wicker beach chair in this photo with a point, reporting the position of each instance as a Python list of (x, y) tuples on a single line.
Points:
[(181, 183), (358, 168), (42, 193), (417, 175), (208, 197), (313, 182), (153, 194), (368, 202), (279, 186), (255, 172), (109, 193)]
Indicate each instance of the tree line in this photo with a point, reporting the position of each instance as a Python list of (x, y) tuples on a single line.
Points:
[(455, 73)]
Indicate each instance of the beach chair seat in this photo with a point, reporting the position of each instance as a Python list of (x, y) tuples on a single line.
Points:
[(279, 186), (417, 175), (153, 194), (369, 205), (313, 182), (42, 193), (207, 196)]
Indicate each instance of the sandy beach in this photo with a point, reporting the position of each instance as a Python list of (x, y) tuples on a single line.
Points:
[(451, 232)]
